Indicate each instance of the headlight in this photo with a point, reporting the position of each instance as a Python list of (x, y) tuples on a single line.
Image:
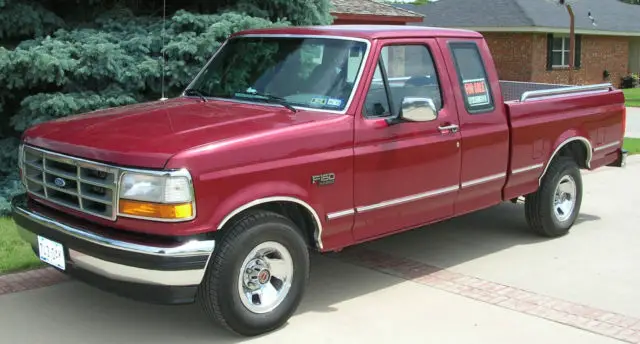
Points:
[(159, 189), (164, 197)]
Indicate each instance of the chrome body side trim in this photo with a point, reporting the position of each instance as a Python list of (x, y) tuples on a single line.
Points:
[(527, 168), (608, 145), (339, 214), (316, 218), (564, 143), (406, 199), (483, 180)]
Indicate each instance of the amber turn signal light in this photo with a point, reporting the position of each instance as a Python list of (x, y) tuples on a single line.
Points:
[(156, 210)]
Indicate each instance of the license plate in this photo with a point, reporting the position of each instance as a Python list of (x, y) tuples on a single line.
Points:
[(51, 252)]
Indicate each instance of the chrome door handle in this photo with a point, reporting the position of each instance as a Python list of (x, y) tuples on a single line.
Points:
[(451, 127)]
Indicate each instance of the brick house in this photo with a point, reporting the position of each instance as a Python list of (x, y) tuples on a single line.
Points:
[(529, 39)]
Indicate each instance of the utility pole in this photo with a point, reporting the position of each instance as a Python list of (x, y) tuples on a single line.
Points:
[(572, 42), (572, 33), (572, 38)]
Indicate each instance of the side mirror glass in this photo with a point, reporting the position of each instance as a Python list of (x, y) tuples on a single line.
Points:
[(415, 109)]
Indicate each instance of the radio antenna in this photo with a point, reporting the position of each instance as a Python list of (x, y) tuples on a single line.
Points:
[(164, 60)]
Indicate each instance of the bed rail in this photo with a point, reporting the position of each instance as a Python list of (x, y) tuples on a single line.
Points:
[(565, 90)]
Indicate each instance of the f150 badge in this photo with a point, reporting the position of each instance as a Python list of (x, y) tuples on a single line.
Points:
[(323, 179)]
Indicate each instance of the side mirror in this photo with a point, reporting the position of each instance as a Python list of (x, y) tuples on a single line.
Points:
[(415, 109)]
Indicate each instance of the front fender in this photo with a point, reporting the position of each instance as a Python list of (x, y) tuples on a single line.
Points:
[(259, 193)]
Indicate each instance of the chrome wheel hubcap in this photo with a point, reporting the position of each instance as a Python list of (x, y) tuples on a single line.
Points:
[(265, 277), (564, 200)]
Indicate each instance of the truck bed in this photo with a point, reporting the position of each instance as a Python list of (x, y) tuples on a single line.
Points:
[(543, 117)]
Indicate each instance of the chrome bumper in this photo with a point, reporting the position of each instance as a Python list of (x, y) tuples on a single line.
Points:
[(179, 265)]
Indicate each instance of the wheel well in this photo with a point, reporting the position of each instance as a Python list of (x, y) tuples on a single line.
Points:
[(297, 213), (577, 150)]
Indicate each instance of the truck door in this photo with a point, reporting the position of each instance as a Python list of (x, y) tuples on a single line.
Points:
[(483, 123), (406, 174)]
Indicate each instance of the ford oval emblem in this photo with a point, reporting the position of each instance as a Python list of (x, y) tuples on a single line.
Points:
[(60, 182)]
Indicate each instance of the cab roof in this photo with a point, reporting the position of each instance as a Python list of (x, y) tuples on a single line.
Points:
[(369, 32)]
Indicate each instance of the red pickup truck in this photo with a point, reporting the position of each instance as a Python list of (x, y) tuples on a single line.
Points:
[(298, 139)]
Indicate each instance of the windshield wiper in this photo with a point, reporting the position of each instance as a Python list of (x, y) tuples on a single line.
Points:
[(268, 97), (194, 92)]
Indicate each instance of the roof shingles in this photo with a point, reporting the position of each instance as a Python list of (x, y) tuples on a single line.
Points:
[(370, 7), (610, 15)]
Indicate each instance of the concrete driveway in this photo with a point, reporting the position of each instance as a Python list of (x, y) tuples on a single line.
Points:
[(481, 278)]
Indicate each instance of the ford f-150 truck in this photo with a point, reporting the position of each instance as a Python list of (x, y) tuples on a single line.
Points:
[(298, 139)]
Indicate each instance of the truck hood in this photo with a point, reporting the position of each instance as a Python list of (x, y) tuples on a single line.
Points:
[(149, 134)]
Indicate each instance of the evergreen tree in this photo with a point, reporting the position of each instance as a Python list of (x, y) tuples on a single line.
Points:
[(64, 57)]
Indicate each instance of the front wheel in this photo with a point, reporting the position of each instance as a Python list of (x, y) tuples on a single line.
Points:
[(553, 209), (257, 277)]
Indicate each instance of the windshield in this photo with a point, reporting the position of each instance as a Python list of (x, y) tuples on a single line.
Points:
[(308, 72)]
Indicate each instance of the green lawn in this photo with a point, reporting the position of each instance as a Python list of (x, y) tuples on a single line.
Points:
[(632, 145), (632, 96), (15, 254)]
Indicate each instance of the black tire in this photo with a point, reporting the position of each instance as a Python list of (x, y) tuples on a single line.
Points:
[(539, 206), (218, 294)]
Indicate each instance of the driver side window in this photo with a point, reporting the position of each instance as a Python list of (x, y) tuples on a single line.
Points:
[(406, 71), (377, 102)]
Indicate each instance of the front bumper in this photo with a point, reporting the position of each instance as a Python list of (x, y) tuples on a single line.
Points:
[(145, 269)]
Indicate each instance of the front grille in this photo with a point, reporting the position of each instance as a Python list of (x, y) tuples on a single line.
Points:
[(75, 183)]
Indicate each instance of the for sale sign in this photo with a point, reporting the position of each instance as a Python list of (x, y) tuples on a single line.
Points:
[(477, 92)]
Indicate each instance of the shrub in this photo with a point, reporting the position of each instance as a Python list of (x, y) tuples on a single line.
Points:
[(630, 81), (10, 181)]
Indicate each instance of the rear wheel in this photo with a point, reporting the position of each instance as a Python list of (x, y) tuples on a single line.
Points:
[(553, 209), (257, 277)]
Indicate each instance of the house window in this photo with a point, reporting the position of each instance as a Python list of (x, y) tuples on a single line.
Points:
[(558, 51)]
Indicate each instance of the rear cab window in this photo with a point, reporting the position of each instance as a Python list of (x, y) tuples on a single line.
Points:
[(472, 77)]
